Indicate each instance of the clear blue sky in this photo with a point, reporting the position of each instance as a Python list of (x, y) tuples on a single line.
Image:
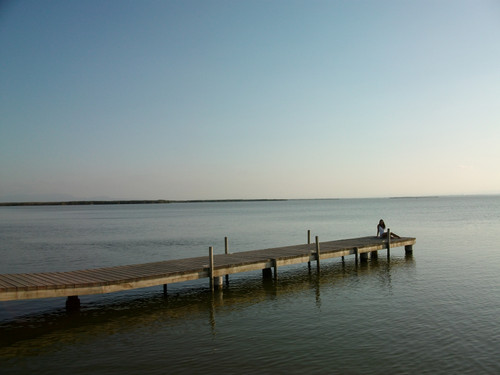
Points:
[(248, 99)]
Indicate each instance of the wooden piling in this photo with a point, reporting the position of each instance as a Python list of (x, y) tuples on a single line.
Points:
[(267, 273), (409, 249), (72, 303), (218, 282), (318, 255), (275, 266), (309, 242), (388, 242), (226, 250), (211, 267)]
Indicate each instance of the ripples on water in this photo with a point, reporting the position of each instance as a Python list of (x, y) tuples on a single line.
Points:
[(433, 312)]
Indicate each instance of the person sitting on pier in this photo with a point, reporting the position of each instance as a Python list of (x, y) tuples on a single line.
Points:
[(381, 233)]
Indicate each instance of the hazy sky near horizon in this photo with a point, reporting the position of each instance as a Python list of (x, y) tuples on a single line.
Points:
[(248, 99)]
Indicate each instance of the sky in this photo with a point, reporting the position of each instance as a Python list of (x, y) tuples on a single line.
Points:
[(248, 99)]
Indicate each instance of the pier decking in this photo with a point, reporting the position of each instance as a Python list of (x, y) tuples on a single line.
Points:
[(114, 279)]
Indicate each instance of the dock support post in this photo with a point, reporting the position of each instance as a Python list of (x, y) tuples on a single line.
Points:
[(388, 242), (309, 242), (226, 249), (218, 282), (356, 254), (318, 254), (363, 257), (267, 273), (409, 249), (374, 254), (275, 266), (165, 290), (211, 265), (72, 303)]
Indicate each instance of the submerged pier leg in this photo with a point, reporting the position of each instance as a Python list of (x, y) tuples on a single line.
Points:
[(318, 254), (218, 282), (309, 242), (226, 249), (211, 265), (388, 242), (267, 273), (374, 254), (363, 257), (409, 249), (72, 303)]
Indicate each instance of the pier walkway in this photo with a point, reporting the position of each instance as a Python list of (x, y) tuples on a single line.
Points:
[(113, 279)]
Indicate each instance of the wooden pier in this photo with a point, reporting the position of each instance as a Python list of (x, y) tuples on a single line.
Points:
[(113, 279)]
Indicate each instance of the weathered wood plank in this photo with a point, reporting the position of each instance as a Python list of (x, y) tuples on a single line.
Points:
[(17, 280), (34, 281), (5, 283)]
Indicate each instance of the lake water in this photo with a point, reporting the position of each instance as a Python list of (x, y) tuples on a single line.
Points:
[(435, 312)]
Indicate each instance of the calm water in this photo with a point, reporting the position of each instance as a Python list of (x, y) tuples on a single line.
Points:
[(436, 312)]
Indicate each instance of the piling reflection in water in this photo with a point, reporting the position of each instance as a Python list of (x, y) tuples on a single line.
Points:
[(32, 334)]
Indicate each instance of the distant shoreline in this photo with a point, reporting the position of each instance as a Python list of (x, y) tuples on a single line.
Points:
[(114, 202), (165, 201)]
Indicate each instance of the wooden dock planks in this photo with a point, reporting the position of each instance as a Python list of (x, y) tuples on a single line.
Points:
[(112, 279)]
